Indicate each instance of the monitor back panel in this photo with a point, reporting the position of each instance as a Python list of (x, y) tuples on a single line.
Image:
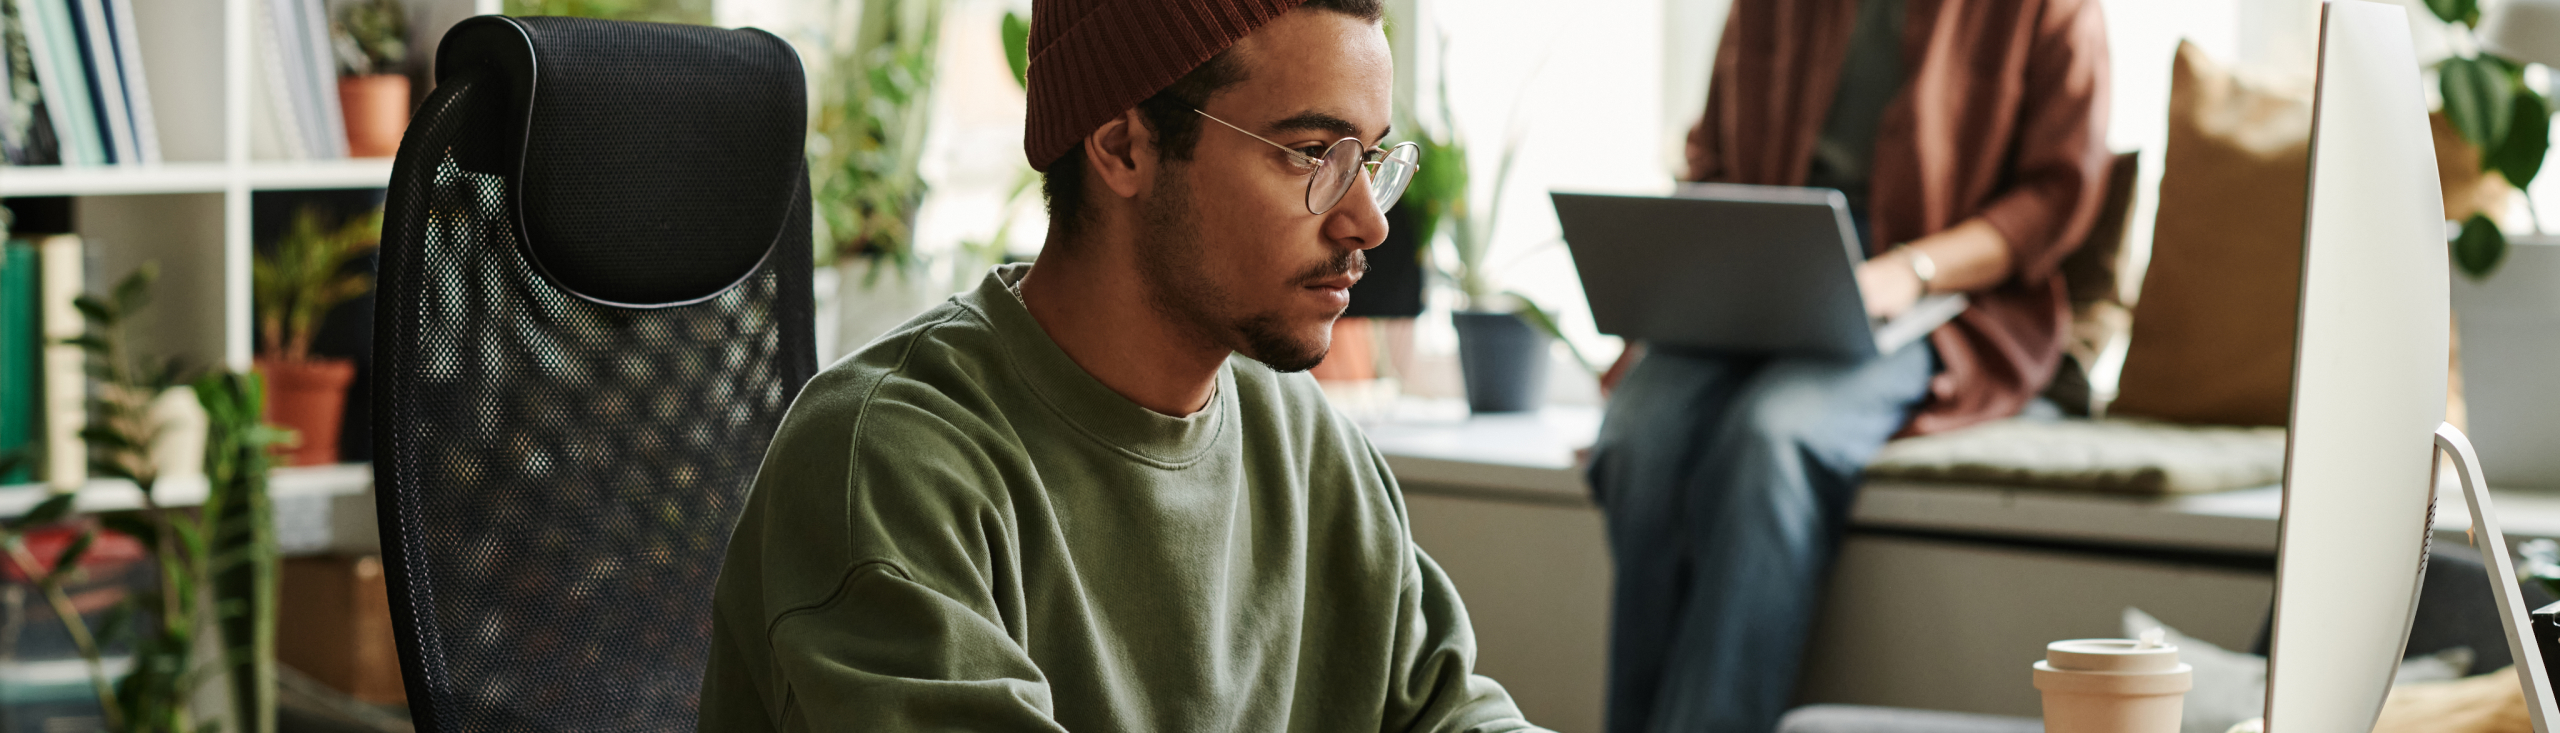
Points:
[(2369, 382)]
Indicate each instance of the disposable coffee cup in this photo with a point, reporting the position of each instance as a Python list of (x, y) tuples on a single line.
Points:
[(2112, 686)]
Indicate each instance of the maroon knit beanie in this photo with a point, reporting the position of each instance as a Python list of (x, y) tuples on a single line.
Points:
[(1094, 59)]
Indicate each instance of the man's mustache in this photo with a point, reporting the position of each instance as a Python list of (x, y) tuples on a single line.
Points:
[(1354, 263)]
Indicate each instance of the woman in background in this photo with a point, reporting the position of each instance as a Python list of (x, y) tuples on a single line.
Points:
[(1969, 137)]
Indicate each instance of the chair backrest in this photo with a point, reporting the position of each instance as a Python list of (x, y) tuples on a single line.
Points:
[(594, 308)]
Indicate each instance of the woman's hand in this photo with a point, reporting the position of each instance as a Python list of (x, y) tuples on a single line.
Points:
[(1969, 256), (1627, 358), (1888, 284)]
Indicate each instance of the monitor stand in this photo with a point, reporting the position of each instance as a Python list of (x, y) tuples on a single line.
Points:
[(2492, 544)]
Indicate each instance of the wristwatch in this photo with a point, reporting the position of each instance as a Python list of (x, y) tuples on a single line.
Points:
[(1921, 267)]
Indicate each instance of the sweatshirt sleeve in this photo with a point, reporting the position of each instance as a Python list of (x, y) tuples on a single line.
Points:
[(1435, 687), (869, 585), (2060, 168), (890, 654)]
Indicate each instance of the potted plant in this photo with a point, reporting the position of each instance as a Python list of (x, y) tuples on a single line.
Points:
[(296, 285), (371, 41), (200, 630), (2507, 125), (1503, 336), (975, 255), (874, 101), (2504, 300)]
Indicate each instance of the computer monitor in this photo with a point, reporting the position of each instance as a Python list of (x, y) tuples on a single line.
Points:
[(2369, 395)]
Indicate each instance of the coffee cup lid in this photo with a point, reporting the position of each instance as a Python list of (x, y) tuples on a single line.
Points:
[(2111, 655)]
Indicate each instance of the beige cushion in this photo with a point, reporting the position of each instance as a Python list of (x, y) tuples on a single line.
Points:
[(2489, 703), (2115, 455), (2213, 330), (2212, 334)]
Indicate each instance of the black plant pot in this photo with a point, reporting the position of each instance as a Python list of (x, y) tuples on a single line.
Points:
[(1393, 287), (1504, 360)]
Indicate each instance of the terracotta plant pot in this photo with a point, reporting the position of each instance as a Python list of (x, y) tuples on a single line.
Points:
[(1353, 357), (308, 397), (377, 112)]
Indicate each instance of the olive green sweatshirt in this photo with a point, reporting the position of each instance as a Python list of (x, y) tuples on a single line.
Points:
[(958, 529)]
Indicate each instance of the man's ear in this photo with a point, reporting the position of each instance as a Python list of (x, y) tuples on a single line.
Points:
[(1122, 153)]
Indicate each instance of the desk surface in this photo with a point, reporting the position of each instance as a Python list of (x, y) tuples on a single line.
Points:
[(1436, 448)]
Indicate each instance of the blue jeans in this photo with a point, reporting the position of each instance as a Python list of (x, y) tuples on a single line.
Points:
[(1725, 480)]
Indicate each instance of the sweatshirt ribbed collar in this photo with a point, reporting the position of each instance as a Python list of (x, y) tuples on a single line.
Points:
[(1085, 402)]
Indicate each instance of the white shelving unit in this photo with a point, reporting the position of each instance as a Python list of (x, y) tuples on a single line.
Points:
[(191, 213)]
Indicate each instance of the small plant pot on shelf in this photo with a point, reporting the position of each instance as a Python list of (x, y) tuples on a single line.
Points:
[(377, 112), (308, 397), (1352, 357), (1504, 360)]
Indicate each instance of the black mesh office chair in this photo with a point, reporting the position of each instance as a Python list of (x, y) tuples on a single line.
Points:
[(594, 307)]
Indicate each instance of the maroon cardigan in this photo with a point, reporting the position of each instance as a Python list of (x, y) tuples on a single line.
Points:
[(2003, 117)]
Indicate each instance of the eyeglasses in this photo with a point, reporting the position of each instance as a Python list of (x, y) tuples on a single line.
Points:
[(1388, 170)]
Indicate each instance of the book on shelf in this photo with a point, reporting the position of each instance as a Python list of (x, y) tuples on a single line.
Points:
[(106, 84), (84, 97), (54, 51), (126, 38), (319, 77), (63, 381), (296, 115), (21, 355), (27, 134), (43, 383), (275, 127)]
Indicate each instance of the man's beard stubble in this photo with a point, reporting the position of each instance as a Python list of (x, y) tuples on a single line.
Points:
[(1171, 261)]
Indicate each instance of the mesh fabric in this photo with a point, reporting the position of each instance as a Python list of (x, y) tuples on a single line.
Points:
[(558, 477)]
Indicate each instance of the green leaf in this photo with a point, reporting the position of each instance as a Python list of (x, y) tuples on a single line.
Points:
[(117, 625), (2479, 100), (97, 311), (188, 538), (100, 436), (69, 561), (2455, 11), (131, 524), (134, 291), (1017, 47), (46, 512), (109, 468), (2519, 159), (91, 343), (2480, 247), (1545, 322)]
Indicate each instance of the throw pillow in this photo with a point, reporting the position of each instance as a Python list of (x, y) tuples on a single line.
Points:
[(2213, 330), (2212, 334)]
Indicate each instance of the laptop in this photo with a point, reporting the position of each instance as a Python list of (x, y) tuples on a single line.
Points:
[(1767, 269)]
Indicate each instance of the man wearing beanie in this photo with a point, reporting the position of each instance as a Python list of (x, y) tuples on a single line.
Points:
[(1094, 494)]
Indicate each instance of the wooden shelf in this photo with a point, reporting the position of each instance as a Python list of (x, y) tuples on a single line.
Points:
[(193, 177)]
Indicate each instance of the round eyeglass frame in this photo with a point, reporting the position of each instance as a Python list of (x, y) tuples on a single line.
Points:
[(1330, 177)]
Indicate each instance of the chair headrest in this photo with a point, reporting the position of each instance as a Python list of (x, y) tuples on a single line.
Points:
[(651, 165)]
